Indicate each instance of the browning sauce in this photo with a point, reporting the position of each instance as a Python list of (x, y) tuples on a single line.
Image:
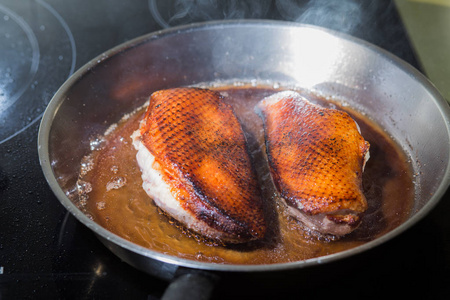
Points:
[(110, 188)]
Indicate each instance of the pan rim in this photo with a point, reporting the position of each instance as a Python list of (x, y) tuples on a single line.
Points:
[(58, 99)]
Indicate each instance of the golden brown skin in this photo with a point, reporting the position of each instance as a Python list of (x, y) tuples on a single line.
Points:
[(201, 150), (316, 157)]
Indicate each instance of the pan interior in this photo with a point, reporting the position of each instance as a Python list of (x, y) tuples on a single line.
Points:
[(373, 82)]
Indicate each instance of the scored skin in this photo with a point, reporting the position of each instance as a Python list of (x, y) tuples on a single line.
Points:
[(200, 151), (316, 157)]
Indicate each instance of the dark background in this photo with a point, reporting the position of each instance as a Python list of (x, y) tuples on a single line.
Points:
[(46, 253)]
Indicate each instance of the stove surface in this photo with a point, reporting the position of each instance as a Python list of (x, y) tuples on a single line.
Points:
[(47, 253)]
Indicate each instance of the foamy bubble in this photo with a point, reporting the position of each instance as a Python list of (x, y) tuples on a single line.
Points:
[(101, 205), (83, 187), (83, 200), (115, 169), (87, 164), (116, 183), (97, 143)]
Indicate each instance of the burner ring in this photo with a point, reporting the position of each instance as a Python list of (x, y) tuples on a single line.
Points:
[(14, 26), (39, 55)]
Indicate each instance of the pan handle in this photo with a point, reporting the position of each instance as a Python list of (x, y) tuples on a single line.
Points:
[(191, 284)]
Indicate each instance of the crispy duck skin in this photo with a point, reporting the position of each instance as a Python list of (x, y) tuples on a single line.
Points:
[(316, 157), (195, 165)]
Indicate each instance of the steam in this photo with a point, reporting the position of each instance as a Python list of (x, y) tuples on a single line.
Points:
[(189, 11), (342, 15)]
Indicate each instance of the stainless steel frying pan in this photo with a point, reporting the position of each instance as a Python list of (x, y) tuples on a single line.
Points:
[(376, 83)]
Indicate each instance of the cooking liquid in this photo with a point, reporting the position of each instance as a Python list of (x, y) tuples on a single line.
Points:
[(111, 193)]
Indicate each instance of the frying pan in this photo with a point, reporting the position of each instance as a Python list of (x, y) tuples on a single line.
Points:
[(371, 80)]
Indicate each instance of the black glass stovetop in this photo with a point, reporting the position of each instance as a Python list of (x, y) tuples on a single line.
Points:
[(47, 253)]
